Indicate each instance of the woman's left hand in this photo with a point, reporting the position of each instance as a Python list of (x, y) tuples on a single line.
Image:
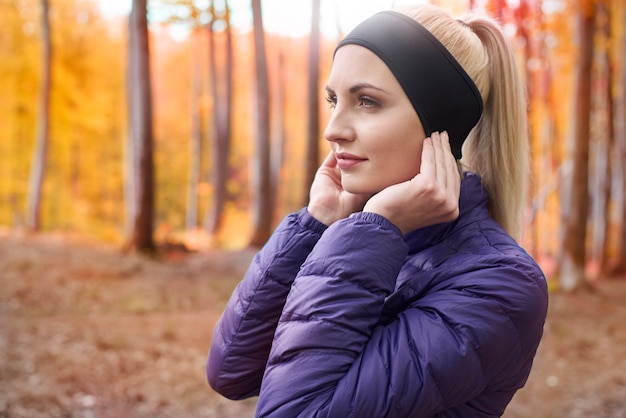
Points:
[(429, 198)]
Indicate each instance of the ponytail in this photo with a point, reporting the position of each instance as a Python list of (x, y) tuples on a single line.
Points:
[(497, 148)]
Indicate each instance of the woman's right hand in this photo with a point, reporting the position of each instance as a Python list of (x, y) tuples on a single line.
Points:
[(328, 201)]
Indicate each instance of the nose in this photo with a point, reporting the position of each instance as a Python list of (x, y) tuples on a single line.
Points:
[(340, 126)]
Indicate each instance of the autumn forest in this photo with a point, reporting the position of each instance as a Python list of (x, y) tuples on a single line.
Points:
[(120, 130)]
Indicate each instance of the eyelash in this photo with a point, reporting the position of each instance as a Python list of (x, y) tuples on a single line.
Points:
[(332, 101), (370, 102), (363, 101)]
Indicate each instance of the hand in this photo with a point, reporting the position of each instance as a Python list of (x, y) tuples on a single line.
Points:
[(429, 198), (329, 202)]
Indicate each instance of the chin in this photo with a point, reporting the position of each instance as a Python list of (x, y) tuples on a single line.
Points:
[(369, 186), (360, 188)]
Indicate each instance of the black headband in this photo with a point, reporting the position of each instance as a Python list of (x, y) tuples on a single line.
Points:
[(443, 95)]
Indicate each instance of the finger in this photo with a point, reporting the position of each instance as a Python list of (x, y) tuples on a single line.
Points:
[(448, 158), (451, 165), (440, 164), (427, 166), (330, 161)]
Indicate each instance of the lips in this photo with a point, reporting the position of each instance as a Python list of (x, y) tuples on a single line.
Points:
[(346, 161)]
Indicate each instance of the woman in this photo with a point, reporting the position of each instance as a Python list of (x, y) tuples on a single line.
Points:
[(398, 291)]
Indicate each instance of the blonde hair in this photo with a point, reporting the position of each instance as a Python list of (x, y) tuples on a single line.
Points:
[(497, 147)]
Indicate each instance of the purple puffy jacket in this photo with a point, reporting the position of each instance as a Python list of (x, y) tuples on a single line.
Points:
[(355, 320)]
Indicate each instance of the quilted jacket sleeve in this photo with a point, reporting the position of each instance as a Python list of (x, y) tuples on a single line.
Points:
[(331, 358), (243, 336), (329, 317)]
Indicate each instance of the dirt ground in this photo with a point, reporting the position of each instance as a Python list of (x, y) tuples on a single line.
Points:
[(88, 332)]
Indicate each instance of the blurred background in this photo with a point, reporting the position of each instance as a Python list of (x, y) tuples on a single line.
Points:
[(147, 148)]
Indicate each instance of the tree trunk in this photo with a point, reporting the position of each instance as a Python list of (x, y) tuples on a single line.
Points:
[(37, 172), (312, 159), (604, 144), (141, 138), (617, 265), (572, 263), (261, 176), (278, 145), (195, 140), (523, 16), (221, 88)]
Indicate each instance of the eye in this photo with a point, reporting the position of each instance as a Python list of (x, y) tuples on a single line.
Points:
[(332, 101), (367, 102)]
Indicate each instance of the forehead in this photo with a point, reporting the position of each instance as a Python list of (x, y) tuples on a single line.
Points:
[(356, 64)]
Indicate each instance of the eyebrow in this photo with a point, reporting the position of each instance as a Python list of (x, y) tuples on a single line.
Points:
[(358, 87)]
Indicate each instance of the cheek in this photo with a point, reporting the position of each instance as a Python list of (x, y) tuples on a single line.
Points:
[(405, 150), (408, 159), (399, 160), (395, 142)]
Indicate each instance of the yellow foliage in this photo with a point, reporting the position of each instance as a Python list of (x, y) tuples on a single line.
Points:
[(84, 174)]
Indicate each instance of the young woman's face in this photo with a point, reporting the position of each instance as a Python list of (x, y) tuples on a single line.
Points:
[(374, 131)]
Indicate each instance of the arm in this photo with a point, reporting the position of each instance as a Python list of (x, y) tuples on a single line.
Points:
[(331, 358), (243, 336), (330, 314)]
